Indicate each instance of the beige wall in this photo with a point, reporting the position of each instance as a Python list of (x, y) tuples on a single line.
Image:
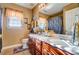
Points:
[(43, 15), (36, 10), (35, 13), (13, 36), (57, 14)]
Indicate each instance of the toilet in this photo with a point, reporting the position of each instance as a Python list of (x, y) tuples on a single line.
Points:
[(24, 43)]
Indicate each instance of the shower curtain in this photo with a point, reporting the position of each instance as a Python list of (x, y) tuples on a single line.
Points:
[(55, 24)]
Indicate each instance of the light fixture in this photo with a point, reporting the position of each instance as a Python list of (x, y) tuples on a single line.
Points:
[(42, 5)]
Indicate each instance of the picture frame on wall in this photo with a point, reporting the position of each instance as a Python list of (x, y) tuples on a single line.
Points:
[(25, 20)]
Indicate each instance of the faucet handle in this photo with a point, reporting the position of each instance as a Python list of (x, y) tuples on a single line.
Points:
[(76, 43)]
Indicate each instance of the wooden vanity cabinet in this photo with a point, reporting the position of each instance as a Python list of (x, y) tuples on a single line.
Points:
[(38, 47)]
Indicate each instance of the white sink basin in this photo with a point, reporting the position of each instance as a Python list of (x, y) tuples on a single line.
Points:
[(72, 49)]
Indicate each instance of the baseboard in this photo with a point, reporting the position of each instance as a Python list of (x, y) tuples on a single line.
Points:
[(11, 46)]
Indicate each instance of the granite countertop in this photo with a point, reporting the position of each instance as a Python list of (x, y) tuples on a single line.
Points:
[(58, 42)]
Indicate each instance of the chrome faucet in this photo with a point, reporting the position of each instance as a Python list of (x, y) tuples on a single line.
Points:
[(73, 40), (75, 35)]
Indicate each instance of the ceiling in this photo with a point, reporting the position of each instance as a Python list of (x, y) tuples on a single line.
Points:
[(50, 9), (27, 5), (53, 8)]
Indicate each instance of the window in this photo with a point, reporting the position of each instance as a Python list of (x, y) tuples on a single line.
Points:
[(14, 18), (14, 22)]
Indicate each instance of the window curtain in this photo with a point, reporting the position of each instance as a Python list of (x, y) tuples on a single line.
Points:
[(55, 24), (14, 18), (11, 12)]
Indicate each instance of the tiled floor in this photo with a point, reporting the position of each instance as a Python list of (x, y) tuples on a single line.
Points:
[(26, 52), (9, 52)]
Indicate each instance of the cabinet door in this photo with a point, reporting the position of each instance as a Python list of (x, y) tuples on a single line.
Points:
[(52, 51), (45, 48), (38, 46), (38, 52), (56, 51), (33, 46), (59, 52)]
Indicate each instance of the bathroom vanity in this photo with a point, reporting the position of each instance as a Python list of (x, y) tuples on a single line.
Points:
[(45, 45)]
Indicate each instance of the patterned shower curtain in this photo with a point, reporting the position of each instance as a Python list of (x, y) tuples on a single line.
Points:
[(55, 24)]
